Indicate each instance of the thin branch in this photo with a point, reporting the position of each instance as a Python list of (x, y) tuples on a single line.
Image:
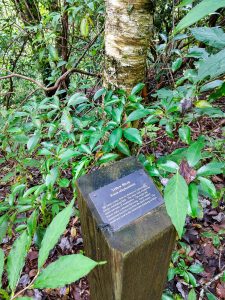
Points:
[(56, 85)]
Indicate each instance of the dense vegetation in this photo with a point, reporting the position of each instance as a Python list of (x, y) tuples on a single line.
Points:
[(57, 122)]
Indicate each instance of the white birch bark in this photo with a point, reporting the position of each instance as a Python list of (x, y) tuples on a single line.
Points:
[(127, 34)]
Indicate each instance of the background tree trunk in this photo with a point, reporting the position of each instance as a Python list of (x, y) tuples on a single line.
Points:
[(127, 34)]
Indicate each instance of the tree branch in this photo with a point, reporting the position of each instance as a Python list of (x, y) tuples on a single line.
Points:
[(56, 85)]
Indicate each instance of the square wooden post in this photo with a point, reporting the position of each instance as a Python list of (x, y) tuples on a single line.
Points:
[(137, 253)]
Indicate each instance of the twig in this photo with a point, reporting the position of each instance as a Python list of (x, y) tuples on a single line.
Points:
[(56, 85), (26, 288)]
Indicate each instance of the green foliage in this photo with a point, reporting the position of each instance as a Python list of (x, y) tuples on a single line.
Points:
[(53, 233), (201, 10), (16, 259), (54, 276), (176, 199)]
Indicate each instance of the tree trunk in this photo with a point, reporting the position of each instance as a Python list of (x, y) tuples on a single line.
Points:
[(127, 35)]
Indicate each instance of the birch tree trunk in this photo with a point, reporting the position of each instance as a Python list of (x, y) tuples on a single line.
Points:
[(127, 35)]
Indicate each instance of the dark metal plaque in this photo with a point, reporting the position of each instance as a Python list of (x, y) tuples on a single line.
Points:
[(126, 199)]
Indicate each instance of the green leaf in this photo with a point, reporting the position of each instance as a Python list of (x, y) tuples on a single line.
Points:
[(51, 177), (211, 36), (137, 115), (212, 168), (207, 187), (16, 259), (53, 233), (211, 85), (169, 166), (108, 157), (85, 149), (33, 141), (115, 137), (192, 295), (211, 296), (65, 270), (185, 3), (133, 135), (201, 10), (177, 64), (192, 279), (66, 121), (194, 152), (53, 53), (3, 226), (32, 223), (212, 67), (123, 148), (185, 134), (137, 89), (76, 99), (1, 265), (99, 93), (176, 199), (202, 104), (193, 199), (196, 269), (68, 154), (84, 27)]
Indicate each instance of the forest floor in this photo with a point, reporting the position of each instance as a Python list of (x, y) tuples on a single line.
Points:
[(203, 241)]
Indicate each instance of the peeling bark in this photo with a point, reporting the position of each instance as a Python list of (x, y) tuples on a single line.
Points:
[(127, 35)]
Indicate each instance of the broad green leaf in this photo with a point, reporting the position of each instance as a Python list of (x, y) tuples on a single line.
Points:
[(33, 141), (51, 177), (212, 67), (133, 135), (176, 199), (202, 104), (66, 121), (53, 53), (137, 89), (212, 168), (76, 99), (3, 226), (16, 259), (196, 269), (194, 153), (115, 137), (185, 134), (211, 85), (185, 3), (99, 93), (94, 139), (213, 36), (192, 279), (201, 10), (167, 297), (123, 148), (192, 295), (65, 270), (68, 154), (108, 157), (1, 265), (177, 64), (137, 115), (53, 233), (211, 296), (169, 166), (85, 149), (193, 198), (207, 187), (84, 27)]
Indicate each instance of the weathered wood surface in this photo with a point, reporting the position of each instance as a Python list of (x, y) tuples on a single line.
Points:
[(137, 256)]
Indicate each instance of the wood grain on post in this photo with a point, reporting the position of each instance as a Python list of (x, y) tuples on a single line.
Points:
[(137, 255)]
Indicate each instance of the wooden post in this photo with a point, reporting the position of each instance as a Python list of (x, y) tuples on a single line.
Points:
[(124, 222)]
